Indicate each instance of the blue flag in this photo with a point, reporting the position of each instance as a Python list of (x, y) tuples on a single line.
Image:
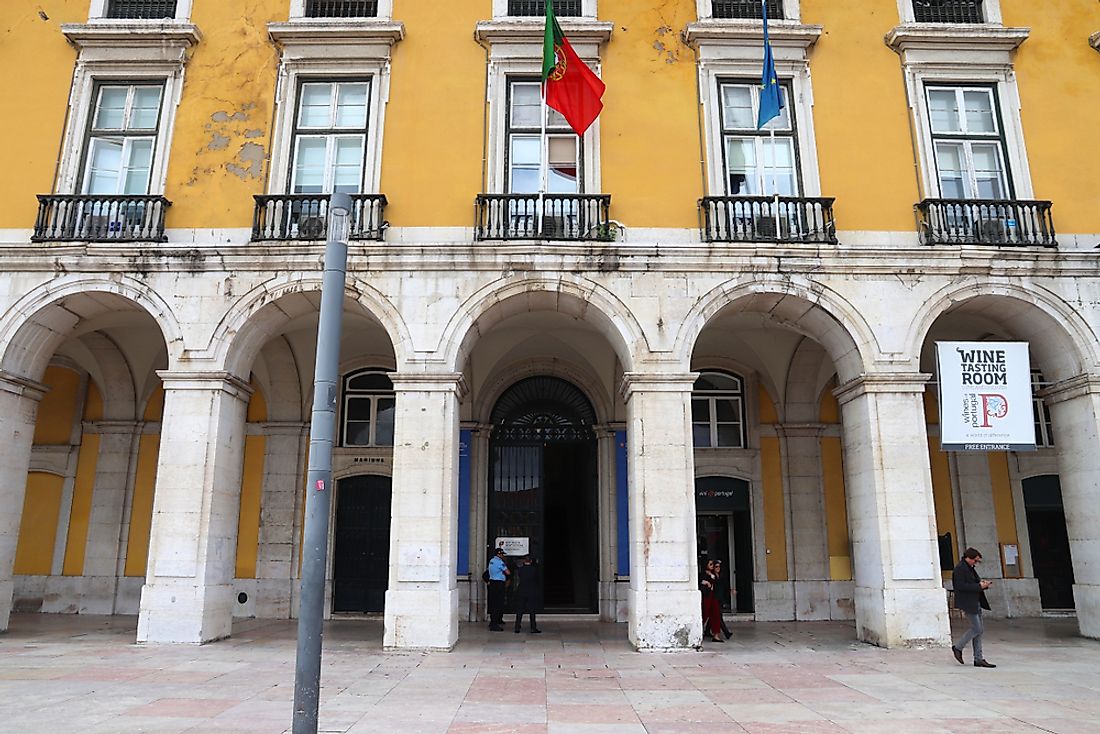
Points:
[(771, 101)]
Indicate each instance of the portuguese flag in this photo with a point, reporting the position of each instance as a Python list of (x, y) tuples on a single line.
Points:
[(571, 87)]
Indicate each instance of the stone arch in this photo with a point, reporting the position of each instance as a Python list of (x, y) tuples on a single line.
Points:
[(257, 316), (573, 296), (802, 398), (806, 307), (112, 374), (281, 380), (33, 328), (1064, 345), (509, 375)]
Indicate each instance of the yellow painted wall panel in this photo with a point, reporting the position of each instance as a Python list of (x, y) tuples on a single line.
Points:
[(836, 508), (81, 511), (942, 494), (37, 70), (38, 527), (154, 408), (829, 410), (1058, 74), (864, 146), (767, 406), (248, 521), (56, 413), (775, 527), (141, 507), (1004, 507), (432, 153), (220, 146), (649, 129)]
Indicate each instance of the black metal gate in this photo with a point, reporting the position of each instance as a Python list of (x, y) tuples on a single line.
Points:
[(542, 487)]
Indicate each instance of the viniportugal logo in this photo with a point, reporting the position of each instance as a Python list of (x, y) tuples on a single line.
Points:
[(993, 406)]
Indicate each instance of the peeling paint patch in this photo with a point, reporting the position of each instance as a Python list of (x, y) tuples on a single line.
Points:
[(218, 142), (251, 157), (253, 133)]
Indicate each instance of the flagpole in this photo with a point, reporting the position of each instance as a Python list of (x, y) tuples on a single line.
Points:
[(544, 161), (775, 188)]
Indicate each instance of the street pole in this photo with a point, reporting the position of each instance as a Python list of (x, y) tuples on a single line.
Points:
[(307, 672)]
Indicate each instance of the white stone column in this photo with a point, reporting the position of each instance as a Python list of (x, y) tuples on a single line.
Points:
[(899, 597), (19, 398), (665, 607), (118, 441), (276, 570), (1075, 411), (422, 598), (809, 550), (188, 592)]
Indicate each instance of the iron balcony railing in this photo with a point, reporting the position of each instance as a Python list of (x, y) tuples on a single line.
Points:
[(151, 9), (1013, 223), (749, 9), (85, 217), (793, 219), (948, 11), (305, 217), (341, 8), (571, 217), (562, 8)]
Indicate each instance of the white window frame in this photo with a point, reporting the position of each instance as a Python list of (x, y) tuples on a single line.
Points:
[(98, 11), (330, 134), (792, 12), (511, 56), (298, 10), (968, 140), (159, 59), (712, 420), (373, 396), (800, 96), (312, 50), (500, 10), (991, 9), (127, 136), (758, 140)]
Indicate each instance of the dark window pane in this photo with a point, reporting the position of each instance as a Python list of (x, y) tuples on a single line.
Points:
[(700, 433), (152, 9), (358, 433), (700, 410), (358, 409), (341, 8), (562, 8), (727, 411), (948, 11), (370, 381), (746, 9), (729, 434), (384, 428)]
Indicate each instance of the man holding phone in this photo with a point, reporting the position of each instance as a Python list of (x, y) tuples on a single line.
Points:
[(970, 598)]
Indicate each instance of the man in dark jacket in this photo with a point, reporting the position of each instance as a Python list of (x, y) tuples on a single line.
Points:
[(527, 592), (970, 598)]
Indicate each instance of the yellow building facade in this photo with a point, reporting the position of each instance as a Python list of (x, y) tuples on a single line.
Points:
[(705, 339)]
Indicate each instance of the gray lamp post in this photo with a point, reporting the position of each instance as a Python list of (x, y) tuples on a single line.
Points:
[(307, 672)]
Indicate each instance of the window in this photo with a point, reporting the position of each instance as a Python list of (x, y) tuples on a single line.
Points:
[(967, 143), (341, 8), (330, 135), (947, 11), (134, 9), (368, 409), (1044, 427), (525, 110), (717, 411), (562, 8), (122, 138), (746, 9), (757, 162)]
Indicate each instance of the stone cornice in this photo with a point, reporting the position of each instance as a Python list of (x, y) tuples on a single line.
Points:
[(801, 430), (530, 30), (202, 380), (882, 382), (657, 382), (326, 32), (22, 386), (430, 382), (108, 426), (135, 41), (1074, 387), (781, 34), (955, 37)]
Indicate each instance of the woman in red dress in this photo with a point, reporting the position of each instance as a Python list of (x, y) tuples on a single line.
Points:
[(712, 611)]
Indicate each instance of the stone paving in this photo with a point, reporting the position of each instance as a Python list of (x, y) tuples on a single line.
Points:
[(61, 673)]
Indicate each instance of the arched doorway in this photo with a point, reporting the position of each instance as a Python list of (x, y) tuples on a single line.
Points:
[(361, 552), (542, 487)]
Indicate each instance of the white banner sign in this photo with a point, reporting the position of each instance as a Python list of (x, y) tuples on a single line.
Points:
[(515, 546), (985, 396)]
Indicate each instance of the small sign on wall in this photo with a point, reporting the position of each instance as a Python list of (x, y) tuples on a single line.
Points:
[(514, 546), (1010, 556), (985, 396)]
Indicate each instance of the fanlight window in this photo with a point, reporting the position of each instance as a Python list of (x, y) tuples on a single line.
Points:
[(368, 409), (718, 411)]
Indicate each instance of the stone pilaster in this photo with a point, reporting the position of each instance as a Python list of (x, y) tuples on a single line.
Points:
[(664, 594), (188, 592), (899, 597), (19, 398), (276, 570), (422, 598), (118, 442), (1075, 410), (809, 550)]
